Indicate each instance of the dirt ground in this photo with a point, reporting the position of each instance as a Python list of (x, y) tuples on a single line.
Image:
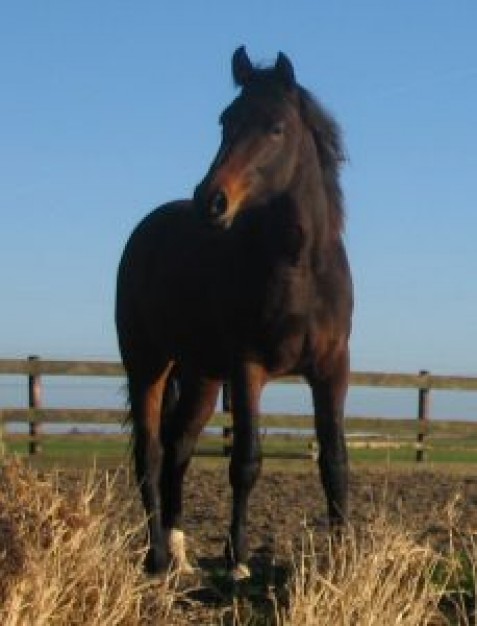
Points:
[(282, 501)]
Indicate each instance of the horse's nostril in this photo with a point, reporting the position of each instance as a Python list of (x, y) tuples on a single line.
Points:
[(218, 204)]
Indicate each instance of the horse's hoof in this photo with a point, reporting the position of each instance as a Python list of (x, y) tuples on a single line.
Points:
[(155, 564), (240, 572)]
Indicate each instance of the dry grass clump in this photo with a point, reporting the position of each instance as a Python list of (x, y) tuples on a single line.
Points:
[(65, 562), (381, 578)]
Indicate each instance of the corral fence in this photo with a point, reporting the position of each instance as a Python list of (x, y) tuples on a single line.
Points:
[(33, 368)]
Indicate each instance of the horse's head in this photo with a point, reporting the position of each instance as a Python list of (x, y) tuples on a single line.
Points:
[(261, 137)]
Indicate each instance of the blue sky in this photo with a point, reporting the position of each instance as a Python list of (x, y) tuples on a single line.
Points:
[(110, 108)]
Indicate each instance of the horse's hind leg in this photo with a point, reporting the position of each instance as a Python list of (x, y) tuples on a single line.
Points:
[(329, 394), (196, 402), (146, 397)]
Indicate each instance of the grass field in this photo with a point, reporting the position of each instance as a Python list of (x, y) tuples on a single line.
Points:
[(370, 441)]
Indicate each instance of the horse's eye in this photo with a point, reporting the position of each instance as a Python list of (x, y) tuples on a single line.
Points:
[(277, 129)]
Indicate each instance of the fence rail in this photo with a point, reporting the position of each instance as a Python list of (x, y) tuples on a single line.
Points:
[(106, 369), (34, 368)]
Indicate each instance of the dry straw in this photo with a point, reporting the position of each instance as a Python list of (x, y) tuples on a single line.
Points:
[(64, 561), (380, 578)]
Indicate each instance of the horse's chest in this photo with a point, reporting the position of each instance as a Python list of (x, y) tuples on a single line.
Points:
[(274, 316)]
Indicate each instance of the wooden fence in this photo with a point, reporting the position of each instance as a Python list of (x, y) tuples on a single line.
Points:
[(34, 368)]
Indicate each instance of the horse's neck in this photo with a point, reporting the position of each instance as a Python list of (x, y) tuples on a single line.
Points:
[(310, 204), (293, 229)]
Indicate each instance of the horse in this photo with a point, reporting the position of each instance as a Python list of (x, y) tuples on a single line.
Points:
[(243, 283)]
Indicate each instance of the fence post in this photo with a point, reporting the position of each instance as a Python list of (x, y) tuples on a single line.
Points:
[(227, 431), (2, 444), (226, 400), (227, 434), (313, 450), (422, 417), (34, 402)]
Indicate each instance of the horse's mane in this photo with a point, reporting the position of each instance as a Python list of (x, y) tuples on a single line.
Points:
[(331, 152)]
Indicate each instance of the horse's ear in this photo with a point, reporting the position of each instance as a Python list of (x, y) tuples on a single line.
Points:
[(242, 69), (285, 69)]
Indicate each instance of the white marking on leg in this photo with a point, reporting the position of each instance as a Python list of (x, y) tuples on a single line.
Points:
[(175, 539), (240, 572)]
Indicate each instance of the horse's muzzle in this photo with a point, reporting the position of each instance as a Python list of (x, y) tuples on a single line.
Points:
[(212, 208)]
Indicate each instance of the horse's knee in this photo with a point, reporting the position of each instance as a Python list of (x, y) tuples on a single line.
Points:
[(147, 454), (178, 447), (334, 473), (333, 455), (332, 441)]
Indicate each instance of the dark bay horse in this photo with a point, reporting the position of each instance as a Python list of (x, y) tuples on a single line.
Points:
[(246, 282)]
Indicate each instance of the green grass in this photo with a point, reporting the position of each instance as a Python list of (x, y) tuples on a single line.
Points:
[(392, 443), (74, 450)]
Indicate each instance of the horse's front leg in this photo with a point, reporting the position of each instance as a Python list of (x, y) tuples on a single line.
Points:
[(329, 394), (247, 383)]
